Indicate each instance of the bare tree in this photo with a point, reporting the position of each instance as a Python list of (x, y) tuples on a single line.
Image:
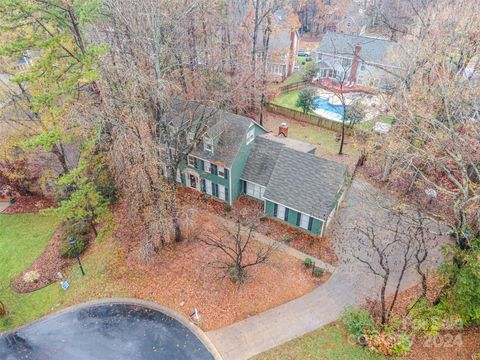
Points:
[(389, 250), (432, 145), (237, 249)]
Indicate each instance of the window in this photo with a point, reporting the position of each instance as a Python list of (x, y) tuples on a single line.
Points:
[(221, 192), (226, 174), (191, 160), (221, 171), (305, 221), (281, 212), (213, 169), (250, 135), (208, 145), (179, 176), (215, 189), (208, 187), (254, 190), (206, 166)]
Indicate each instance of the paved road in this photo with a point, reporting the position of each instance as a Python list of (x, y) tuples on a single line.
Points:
[(350, 284), (116, 329)]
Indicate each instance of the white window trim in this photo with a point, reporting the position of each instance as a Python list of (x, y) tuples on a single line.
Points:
[(261, 189), (281, 211), (298, 211), (221, 192), (221, 170), (208, 143), (208, 187), (251, 131), (191, 158), (302, 218)]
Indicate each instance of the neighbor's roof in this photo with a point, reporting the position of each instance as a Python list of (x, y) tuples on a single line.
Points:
[(305, 182), (373, 50)]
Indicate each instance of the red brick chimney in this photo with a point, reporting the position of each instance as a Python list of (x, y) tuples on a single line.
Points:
[(283, 130), (352, 78)]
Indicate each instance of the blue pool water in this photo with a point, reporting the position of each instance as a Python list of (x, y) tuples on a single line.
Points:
[(324, 104)]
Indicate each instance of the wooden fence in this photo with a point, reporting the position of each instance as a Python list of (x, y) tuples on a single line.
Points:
[(312, 119), (294, 86)]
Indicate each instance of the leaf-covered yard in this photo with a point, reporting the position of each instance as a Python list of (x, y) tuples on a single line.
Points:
[(178, 277)]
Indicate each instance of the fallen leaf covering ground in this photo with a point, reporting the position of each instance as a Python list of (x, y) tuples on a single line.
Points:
[(316, 246), (28, 204), (180, 277)]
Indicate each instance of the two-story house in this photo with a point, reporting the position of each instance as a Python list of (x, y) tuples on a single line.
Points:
[(357, 60), (283, 45), (237, 156)]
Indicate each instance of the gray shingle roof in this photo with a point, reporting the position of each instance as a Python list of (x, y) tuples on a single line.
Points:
[(373, 50), (229, 140), (291, 143), (261, 160), (305, 182)]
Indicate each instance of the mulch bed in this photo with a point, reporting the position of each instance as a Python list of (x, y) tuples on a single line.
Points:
[(48, 264), (28, 204), (316, 246)]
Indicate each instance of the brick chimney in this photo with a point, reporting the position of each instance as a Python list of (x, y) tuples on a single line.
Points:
[(283, 130), (352, 78)]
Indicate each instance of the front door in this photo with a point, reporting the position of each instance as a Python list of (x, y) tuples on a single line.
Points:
[(193, 181)]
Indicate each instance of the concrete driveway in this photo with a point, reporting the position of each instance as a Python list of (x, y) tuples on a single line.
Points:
[(351, 283)]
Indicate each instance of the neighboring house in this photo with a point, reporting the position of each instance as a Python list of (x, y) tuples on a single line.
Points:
[(357, 60), (237, 156), (282, 47)]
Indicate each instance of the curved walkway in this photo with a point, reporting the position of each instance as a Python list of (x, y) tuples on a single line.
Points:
[(116, 329), (351, 283)]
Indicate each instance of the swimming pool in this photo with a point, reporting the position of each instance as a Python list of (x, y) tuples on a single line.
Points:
[(325, 108)]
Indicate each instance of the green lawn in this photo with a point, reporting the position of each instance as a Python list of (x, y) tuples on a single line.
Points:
[(22, 239), (288, 99), (324, 139), (329, 343), (368, 125)]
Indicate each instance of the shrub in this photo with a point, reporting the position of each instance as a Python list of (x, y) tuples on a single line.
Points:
[(287, 239), (80, 230), (358, 322), (228, 207), (402, 346), (308, 262), (305, 99), (31, 276), (318, 272), (428, 319)]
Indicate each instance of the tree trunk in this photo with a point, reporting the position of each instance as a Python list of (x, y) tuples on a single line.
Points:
[(59, 152), (340, 152)]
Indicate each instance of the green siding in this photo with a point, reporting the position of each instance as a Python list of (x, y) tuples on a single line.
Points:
[(317, 225), (240, 162)]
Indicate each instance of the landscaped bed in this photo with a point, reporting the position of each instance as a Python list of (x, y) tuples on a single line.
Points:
[(28, 204), (316, 246)]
